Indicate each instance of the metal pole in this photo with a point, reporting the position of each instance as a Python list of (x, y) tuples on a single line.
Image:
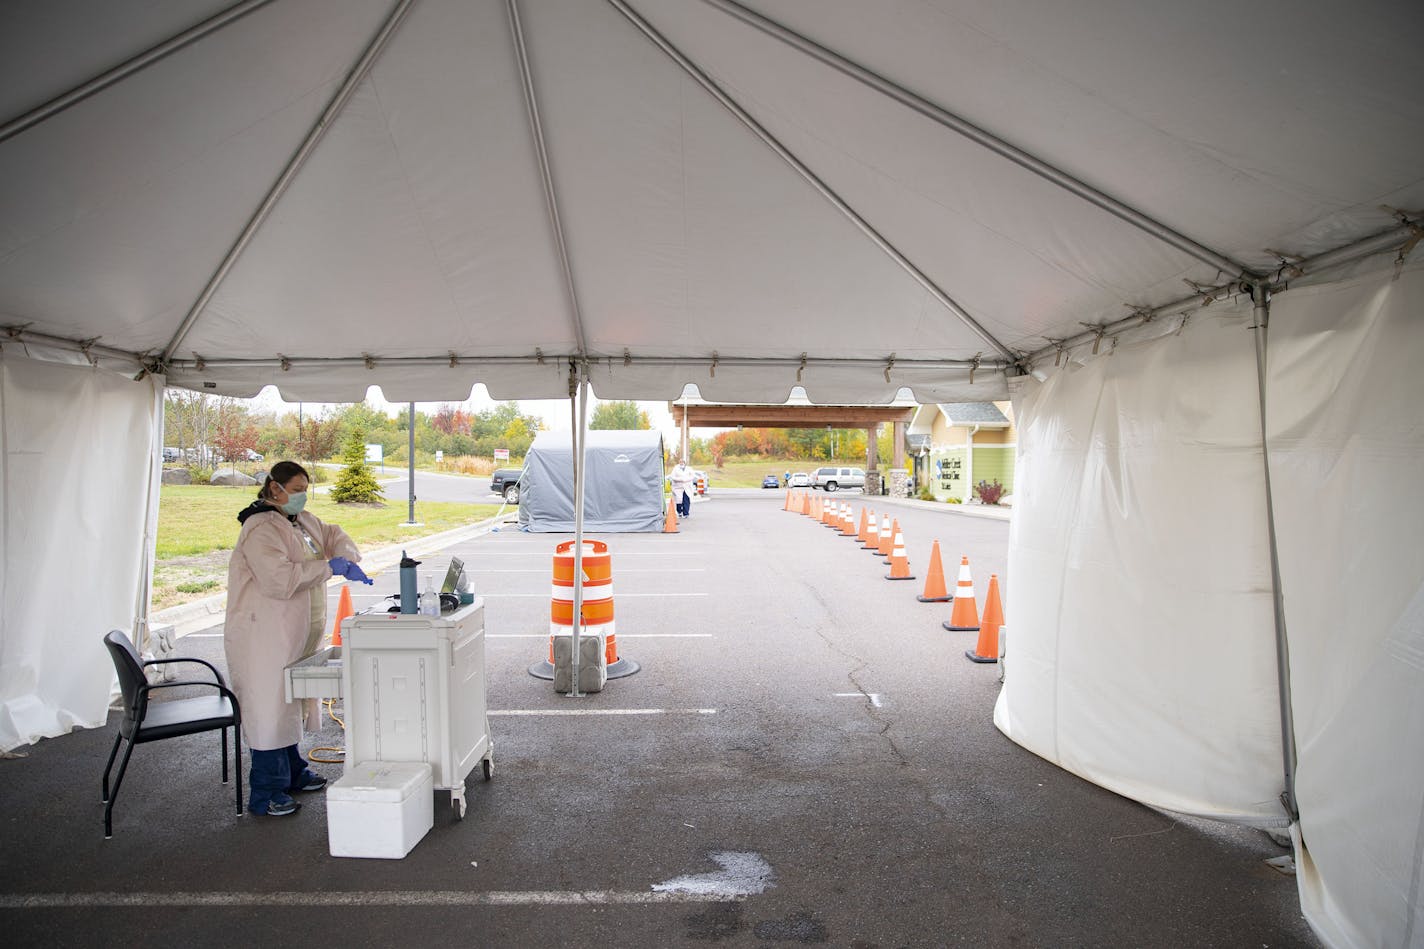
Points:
[(975, 134), (728, 103), (578, 400), (1261, 298), (127, 68), (685, 447), (410, 478), (294, 165)]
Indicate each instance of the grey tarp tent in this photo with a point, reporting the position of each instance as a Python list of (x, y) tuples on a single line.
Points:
[(623, 487), (1102, 205)]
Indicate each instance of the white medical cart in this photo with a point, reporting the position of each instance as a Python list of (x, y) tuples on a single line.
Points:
[(413, 688)]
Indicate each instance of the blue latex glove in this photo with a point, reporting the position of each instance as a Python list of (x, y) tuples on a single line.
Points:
[(341, 567), (354, 572)]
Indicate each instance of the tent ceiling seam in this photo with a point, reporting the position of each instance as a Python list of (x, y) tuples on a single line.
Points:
[(536, 127), (826, 192), (289, 173), (72, 97), (993, 143)]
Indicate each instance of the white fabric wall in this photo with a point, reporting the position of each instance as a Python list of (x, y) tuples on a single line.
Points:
[(77, 445), (1347, 464), (1145, 661), (1144, 658)]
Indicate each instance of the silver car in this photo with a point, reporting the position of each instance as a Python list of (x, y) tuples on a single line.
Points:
[(833, 479)]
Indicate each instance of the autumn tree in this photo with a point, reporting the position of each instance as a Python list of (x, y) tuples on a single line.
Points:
[(622, 416)]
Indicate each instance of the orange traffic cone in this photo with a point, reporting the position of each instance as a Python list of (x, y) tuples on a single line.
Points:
[(343, 610), (670, 522), (899, 562), (887, 538), (934, 580), (883, 537), (803, 503), (964, 618), (860, 531), (987, 650), (847, 521), (869, 534), (787, 505)]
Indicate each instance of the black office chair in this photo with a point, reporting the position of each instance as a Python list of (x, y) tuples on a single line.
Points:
[(144, 722)]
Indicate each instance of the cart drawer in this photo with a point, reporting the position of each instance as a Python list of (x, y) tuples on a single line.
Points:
[(316, 677)]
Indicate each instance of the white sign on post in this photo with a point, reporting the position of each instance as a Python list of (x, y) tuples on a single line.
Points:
[(439, 456), (501, 454), (375, 453)]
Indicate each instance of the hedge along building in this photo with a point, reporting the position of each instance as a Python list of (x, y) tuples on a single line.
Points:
[(955, 446), (1181, 237)]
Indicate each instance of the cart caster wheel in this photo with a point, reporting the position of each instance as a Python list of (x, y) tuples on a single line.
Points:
[(488, 764), (457, 804)]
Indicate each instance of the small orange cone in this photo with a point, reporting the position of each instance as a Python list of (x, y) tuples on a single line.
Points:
[(987, 650), (828, 509), (343, 610), (899, 562), (847, 521), (787, 505), (934, 580), (964, 618), (670, 522), (869, 534), (803, 503), (887, 538), (860, 531)]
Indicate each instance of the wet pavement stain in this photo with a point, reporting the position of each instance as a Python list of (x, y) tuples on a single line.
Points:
[(798, 928), (720, 921)]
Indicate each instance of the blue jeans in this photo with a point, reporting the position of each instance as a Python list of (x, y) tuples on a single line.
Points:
[(274, 774)]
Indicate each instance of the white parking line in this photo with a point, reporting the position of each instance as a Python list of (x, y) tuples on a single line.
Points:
[(540, 712), (620, 635)]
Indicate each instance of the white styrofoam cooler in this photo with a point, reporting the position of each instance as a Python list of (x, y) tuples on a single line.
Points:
[(380, 809)]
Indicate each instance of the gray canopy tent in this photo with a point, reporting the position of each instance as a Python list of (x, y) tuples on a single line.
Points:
[(623, 490), (1097, 209)]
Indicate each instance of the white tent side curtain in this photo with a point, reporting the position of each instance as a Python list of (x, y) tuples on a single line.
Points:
[(78, 445), (1144, 657)]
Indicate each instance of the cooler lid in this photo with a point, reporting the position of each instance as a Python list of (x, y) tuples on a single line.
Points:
[(386, 781)]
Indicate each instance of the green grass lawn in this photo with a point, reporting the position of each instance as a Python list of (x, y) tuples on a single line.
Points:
[(199, 519)]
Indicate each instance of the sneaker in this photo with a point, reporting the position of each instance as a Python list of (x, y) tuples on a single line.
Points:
[(310, 781), (279, 808)]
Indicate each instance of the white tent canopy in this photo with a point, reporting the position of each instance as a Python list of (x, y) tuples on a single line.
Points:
[(946, 195)]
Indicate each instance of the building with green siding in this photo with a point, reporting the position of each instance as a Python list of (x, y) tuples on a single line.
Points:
[(954, 446)]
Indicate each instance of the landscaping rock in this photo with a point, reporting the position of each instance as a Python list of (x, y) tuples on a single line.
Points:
[(232, 477), (177, 476)]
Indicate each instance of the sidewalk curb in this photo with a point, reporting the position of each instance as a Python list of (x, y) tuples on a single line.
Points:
[(209, 611), (988, 512)]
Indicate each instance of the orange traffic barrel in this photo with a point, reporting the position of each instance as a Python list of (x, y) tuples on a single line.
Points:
[(597, 606)]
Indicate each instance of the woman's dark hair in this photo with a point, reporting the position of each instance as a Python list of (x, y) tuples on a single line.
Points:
[(281, 473)]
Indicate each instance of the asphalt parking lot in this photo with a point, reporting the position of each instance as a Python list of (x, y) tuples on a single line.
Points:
[(810, 748)]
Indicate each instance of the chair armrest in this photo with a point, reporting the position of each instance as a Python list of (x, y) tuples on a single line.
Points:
[(202, 662), (145, 689)]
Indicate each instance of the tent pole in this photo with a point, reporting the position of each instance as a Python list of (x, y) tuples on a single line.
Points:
[(979, 136), (1261, 311), (410, 461), (785, 154), (328, 116), (127, 68), (578, 401)]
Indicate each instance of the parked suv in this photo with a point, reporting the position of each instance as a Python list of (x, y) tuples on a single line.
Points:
[(833, 479), (505, 481)]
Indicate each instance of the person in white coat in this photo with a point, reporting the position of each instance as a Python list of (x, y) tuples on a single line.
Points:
[(276, 614), (683, 479)]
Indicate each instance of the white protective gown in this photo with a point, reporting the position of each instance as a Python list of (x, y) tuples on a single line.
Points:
[(276, 614)]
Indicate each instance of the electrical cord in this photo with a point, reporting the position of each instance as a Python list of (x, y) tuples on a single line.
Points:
[(328, 705)]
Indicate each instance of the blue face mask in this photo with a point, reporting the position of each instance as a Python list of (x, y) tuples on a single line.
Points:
[(295, 502)]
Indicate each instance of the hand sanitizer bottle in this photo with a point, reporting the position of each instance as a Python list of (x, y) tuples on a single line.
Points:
[(429, 600)]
